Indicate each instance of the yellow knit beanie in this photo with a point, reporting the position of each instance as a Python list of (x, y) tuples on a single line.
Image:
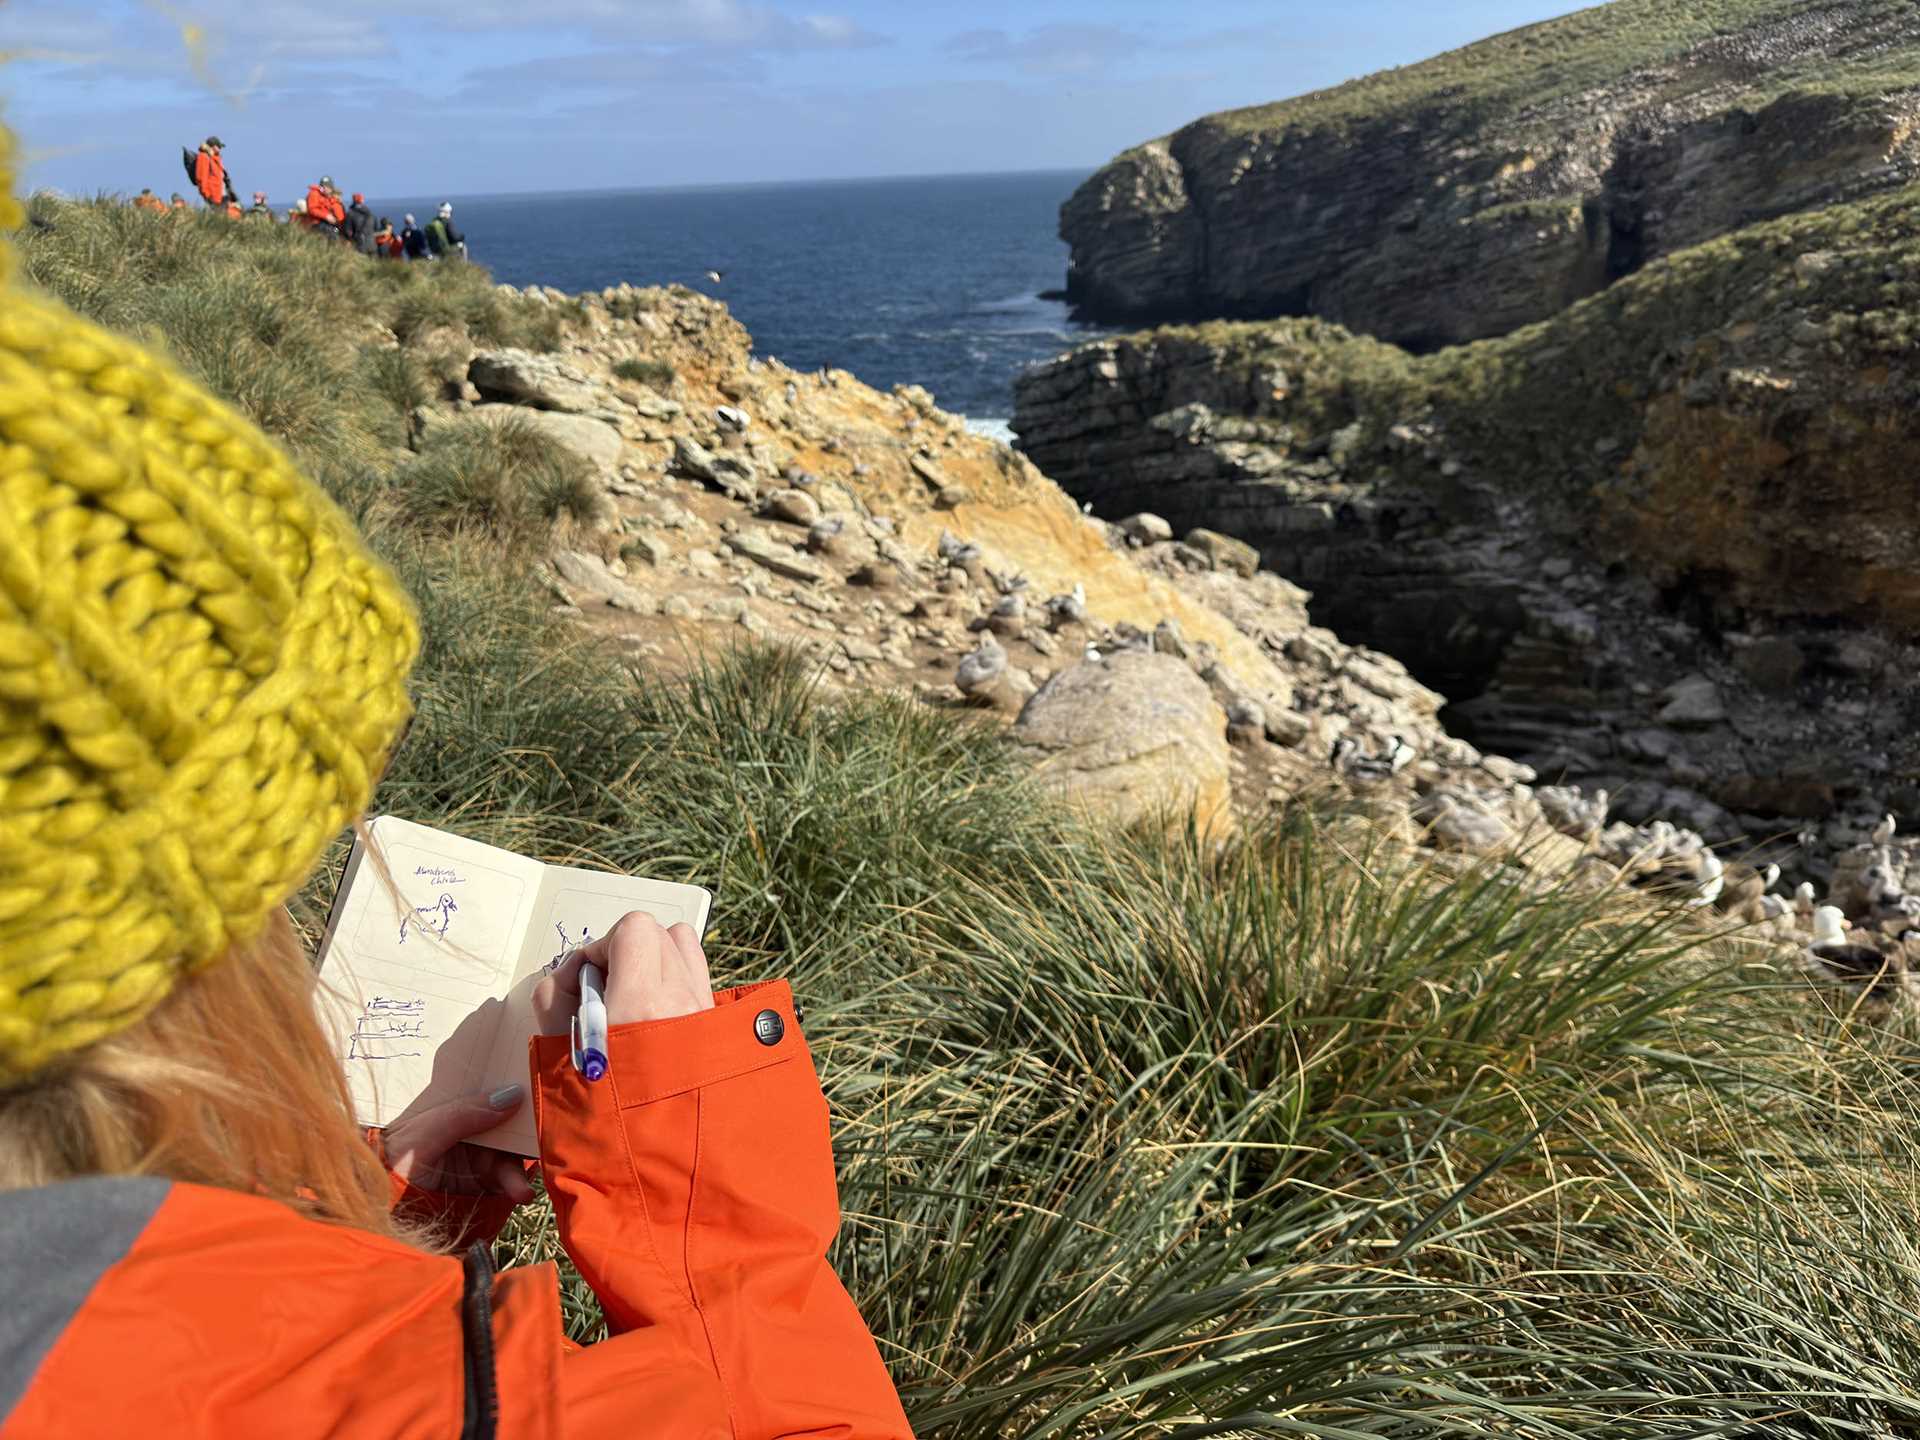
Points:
[(201, 669)]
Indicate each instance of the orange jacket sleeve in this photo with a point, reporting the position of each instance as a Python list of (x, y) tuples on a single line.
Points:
[(694, 1190)]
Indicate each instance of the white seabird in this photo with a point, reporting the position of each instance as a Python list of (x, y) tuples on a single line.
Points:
[(1840, 956)]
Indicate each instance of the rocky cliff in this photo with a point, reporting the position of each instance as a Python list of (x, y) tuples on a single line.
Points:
[(1664, 542), (1492, 186)]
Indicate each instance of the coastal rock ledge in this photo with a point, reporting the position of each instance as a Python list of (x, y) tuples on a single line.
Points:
[(1492, 186)]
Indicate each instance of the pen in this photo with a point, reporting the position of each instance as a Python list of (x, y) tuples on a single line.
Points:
[(590, 1025)]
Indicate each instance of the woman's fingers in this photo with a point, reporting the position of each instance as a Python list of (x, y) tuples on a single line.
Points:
[(651, 973), (510, 1179), (693, 958), (557, 995)]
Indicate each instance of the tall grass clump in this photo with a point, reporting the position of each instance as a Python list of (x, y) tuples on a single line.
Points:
[(656, 373), (504, 478), (1138, 1134)]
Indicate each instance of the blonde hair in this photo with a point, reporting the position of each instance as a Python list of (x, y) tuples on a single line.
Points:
[(229, 1082)]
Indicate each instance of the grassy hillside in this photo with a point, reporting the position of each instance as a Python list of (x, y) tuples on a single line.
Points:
[(1541, 65), (1136, 1137)]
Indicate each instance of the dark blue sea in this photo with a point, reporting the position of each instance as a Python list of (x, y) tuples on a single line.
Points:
[(932, 281)]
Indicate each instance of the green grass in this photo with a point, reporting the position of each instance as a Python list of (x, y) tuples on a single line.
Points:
[(1138, 1136), (504, 480), (1540, 65), (657, 373)]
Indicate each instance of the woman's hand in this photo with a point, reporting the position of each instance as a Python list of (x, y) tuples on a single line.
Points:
[(652, 974), (429, 1150)]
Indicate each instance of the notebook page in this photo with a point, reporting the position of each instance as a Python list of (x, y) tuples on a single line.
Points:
[(414, 969), (572, 907)]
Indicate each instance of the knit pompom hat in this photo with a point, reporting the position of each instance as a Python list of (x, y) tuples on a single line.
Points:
[(201, 672)]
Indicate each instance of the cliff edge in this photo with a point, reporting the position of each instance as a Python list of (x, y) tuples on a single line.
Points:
[(1492, 186)]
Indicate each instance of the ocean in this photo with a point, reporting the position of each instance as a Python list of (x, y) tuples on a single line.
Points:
[(931, 281)]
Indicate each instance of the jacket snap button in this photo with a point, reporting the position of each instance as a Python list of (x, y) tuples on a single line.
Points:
[(768, 1027)]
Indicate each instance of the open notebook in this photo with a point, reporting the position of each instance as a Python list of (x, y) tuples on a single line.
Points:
[(428, 969)]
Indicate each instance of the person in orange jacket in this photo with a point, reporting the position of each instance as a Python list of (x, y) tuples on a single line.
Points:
[(324, 210), (147, 200), (195, 1237), (210, 173)]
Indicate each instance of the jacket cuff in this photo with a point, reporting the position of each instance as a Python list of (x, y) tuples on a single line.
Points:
[(750, 1027)]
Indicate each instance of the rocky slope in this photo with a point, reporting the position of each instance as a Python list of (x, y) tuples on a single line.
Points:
[(1663, 543), (743, 499), (1492, 186), (734, 497)]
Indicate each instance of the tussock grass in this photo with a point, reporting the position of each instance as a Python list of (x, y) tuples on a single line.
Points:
[(1140, 1136), (657, 373), (504, 479)]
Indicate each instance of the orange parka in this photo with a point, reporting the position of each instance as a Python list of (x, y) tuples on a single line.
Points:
[(210, 177), (324, 208), (693, 1187)]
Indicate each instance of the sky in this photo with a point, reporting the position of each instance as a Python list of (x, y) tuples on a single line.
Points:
[(401, 97)]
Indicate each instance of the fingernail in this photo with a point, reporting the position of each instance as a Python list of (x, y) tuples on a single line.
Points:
[(506, 1097)]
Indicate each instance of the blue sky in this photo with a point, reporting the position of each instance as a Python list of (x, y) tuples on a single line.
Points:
[(473, 96)]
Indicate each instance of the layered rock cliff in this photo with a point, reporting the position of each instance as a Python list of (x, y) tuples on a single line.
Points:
[(1664, 542), (1493, 186)]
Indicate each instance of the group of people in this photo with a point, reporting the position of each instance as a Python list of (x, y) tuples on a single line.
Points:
[(323, 209)]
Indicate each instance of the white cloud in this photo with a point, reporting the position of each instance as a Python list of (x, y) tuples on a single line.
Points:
[(1048, 49)]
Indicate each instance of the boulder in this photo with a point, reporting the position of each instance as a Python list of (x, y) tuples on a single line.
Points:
[(520, 377), (589, 574), (796, 507), (1225, 552), (782, 559), (594, 441), (1146, 529), (1134, 735), (1694, 701)]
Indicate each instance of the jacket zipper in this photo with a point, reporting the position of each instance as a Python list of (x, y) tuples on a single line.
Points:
[(476, 1319)]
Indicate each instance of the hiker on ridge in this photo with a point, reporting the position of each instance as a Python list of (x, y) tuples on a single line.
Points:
[(147, 200), (356, 225), (324, 211), (413, 241), (442, 239), (196, 1236), (210, 173), (260, 210), (386, 244)]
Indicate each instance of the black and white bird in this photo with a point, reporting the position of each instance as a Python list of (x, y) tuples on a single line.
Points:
[(1884, 831), (1834, 951), (1370, 769), (716, 276)]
